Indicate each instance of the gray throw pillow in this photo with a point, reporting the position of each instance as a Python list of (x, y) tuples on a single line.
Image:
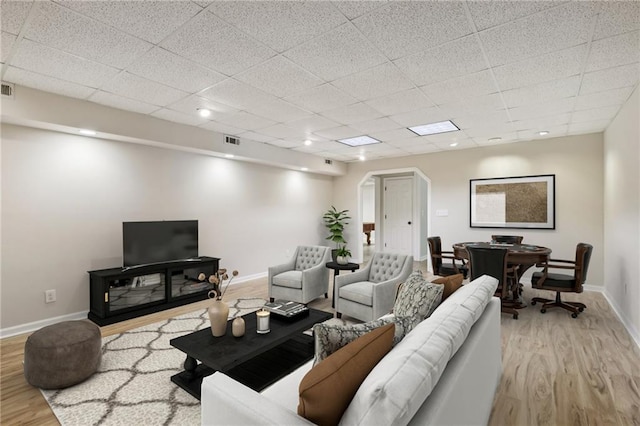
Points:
[(417, 298)]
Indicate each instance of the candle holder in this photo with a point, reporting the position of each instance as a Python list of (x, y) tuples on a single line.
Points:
[(263, 321)]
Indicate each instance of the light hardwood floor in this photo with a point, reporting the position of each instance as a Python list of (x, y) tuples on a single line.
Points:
[(556, 370)]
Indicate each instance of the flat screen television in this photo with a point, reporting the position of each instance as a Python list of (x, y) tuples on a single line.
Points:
[(163, 241)]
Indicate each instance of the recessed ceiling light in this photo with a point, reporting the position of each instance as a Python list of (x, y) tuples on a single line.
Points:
[(362, 158), (543, 132), (87, 132), (304, 169), (229, 155), (434, 128), (495, 139), (453, 144), (359, 141), (307, 142), (204, 112)]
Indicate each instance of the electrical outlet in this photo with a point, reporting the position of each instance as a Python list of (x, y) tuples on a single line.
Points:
[(49, 296)]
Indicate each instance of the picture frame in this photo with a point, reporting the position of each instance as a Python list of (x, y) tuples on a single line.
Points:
[(522, 202)]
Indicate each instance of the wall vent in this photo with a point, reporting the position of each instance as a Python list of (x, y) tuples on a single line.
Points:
[(8, 90), (327, 161), (231, 140)]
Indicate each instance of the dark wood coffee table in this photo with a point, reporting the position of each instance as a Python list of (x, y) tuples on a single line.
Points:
[(255, 360)]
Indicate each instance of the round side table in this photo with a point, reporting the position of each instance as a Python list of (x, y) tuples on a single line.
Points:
[(337, 267)]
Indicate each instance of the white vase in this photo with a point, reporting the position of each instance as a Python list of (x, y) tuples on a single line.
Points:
[(237, 327), (342, 260)]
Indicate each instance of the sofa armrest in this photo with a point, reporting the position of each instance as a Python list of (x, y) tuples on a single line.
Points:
[(227, 402)]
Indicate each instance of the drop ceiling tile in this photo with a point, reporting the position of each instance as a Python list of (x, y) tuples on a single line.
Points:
[(617, 17), (280, 25), (474, 105), (352, 114), (334, 156), (470, 120), (393, 135), (588, 127), (191, 104), (377, 125), (551, 66), (543, 123), (402, 28), (461, 144), (447, 138), (222, 128), (120, 102), (280, 131), (149, 20), (557, 106), (353, 9), (283, 143), (54, 63), (172, 70), (400, 102), (279, 110), (408, 141), (64, 29), (138, 88), (48, 84), (279, 76), (178, 117), (339, 52), (460, 57), (375, 82), (13, 14), (600, 99), (6, 44), (421, 116), (422, 148), (559, 28), (246, 121), (236, 94), (321, 98), (376, 148), (487, 14), (311, 149), (613, 51), (490, 130), (209, 41), (257, 137), (336, 133), (312, 123), (595, 114), (504, 138), (554, 132), (542, 92), (460, 88), (612, 78)]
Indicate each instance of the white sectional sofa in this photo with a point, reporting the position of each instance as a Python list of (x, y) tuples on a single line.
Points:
[(444, 372)]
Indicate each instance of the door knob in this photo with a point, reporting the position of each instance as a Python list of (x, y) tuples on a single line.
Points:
[(409, 223)]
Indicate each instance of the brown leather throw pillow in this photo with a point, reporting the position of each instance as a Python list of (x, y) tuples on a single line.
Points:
[(451, 284)]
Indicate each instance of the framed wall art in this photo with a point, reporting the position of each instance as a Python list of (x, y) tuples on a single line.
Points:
[(513, 202)]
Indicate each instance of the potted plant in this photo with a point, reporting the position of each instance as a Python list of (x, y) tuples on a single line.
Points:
[(335, 221), (342, 255)]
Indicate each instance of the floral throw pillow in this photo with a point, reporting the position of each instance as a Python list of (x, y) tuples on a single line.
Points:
[(417, 298), (329, 337)]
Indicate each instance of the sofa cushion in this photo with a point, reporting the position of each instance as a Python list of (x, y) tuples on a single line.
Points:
[(326, 391), (360, 292), (450, 284), (396, 388), (417, 298), (329, 337), (291, 279)]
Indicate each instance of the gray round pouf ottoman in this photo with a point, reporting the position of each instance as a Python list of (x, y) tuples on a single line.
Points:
[(62, 354)]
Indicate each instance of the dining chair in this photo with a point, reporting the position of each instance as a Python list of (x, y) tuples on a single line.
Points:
[(493, 262), (509, 239), (563, 282), (441, 267)]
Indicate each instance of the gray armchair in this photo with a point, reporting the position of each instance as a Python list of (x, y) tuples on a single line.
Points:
[(369, 293), (303, 278)]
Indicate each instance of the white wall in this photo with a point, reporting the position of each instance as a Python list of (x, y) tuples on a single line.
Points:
[(576, 161), (622, 213), (64, 198)]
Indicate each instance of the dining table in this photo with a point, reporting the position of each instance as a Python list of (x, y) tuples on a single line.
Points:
[(522, 256)]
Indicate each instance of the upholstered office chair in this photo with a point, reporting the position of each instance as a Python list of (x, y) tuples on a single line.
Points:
[(493, 262), (369, 293), (303, 278), (441, 267), (562, 282), (509, 239)]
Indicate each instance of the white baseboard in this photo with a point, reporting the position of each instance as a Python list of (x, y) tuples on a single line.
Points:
[(627, 324), (36, 325)]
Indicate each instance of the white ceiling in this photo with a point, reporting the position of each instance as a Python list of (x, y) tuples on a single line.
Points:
[(284, 71)]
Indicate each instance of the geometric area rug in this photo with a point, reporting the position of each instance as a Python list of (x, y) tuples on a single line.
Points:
[(133, 383)]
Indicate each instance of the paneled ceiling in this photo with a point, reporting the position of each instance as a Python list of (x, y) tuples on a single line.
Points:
[(282, 72)]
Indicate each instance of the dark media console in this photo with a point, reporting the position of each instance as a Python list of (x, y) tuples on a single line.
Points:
[(118, 294)]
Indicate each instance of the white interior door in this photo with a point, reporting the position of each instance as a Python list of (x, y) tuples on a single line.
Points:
[(398, 215)]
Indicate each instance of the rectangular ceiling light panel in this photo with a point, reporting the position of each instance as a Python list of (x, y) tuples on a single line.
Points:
[(434, 128), (359, 141)]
